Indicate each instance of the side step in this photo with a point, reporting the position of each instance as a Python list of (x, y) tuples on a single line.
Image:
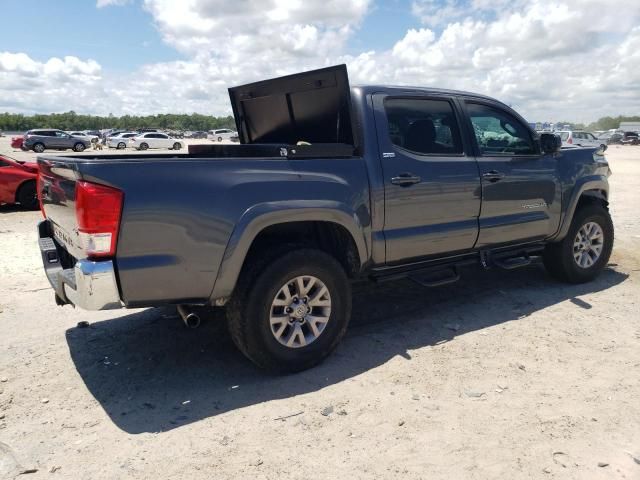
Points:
[(437, 278), (512, 262)]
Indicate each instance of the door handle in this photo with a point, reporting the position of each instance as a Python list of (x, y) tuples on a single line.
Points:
[(493, 176), (406, 179)]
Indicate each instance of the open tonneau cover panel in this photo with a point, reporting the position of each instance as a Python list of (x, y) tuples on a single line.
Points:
[(312, 107)]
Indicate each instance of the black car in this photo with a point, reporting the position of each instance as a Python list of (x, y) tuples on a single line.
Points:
[(630, 138)]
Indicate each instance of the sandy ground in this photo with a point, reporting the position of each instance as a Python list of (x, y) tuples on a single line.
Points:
[(503, 375)]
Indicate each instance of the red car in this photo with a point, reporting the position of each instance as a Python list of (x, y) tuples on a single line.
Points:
[(18, 182), (16, 142)]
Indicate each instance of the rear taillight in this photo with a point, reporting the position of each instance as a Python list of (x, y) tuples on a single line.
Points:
[(98, 210)]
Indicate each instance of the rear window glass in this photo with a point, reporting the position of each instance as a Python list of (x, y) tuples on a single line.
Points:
[(423, 126)]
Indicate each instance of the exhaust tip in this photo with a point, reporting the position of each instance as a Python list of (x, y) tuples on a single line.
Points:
[(189, 318)]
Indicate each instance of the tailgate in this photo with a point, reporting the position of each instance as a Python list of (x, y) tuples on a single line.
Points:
[(57, 191)]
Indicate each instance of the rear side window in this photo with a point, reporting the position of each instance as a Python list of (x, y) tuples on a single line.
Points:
[(499, 133), (423, 126)]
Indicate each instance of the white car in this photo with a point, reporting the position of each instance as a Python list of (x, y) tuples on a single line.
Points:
[(221, 134), (574, 138), (83, 136), (142, 141), (120, 140)]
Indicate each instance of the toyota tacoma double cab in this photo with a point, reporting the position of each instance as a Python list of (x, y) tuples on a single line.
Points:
[(329, 184)]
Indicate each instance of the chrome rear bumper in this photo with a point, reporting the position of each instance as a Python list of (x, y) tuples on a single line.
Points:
[(85, 283)]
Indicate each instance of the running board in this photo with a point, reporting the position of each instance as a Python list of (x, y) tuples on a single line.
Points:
[(512, 262), (437, 278), (442, 271)]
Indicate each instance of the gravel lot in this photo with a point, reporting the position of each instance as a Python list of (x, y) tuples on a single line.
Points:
[(503, 375)]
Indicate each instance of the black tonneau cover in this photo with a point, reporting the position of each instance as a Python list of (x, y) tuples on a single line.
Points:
[(313, 107)]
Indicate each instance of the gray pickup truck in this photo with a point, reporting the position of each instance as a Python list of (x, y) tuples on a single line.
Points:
[(330, 183)]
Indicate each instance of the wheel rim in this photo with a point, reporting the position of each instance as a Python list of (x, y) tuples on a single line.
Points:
[(39, 148), (588, 245), (300, 311)]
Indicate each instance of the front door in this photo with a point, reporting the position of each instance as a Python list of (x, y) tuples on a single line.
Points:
[(520, 189), (431, 183)]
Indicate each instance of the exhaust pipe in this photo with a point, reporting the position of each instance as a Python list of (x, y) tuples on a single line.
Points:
[(189, 317)]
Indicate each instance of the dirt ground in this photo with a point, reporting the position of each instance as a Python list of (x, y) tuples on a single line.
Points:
[(503, 375)]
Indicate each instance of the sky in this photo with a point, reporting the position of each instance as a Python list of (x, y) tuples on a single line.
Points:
[(573, 60)]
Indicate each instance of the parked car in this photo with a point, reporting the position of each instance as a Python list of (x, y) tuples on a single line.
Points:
[(17, 142), (378, 183), (120, 140), (578, 138), (615, 139), (42, 139), (85, 136), (629, 138), (199, 134), (18, 182), (221, 134), (154, 140)]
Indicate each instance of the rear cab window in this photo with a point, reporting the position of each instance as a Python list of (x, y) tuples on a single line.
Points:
[(423, 126), (498, 132)]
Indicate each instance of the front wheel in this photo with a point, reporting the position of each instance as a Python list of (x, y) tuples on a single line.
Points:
[(177, 146), (79, 147), (219, 139), (121, 146), (290, 313), (585, 251), (144, 146), (38, 147)]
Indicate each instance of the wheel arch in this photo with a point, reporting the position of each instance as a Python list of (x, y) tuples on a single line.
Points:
[(22, 185), (326, 226), (591, 189)]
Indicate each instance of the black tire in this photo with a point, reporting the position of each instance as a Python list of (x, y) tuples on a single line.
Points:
[(559, 257), (144, 146), (177, 146), (219, 139), (79, 147), (249, 309), (38, 147), (27, 196), (121, 146)]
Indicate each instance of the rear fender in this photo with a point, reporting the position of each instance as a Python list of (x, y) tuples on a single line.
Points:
[(264, 215)]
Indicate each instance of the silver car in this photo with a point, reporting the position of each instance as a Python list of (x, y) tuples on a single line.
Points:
[(43, 139)]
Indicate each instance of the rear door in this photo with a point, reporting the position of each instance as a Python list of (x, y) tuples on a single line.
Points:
[(520, 188), (431, 182)]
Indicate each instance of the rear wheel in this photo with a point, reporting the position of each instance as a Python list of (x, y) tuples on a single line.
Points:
[(586, 249), (290, 313), (144, 146), (38, 147), (27, 196), (79, 147), (219, 139)]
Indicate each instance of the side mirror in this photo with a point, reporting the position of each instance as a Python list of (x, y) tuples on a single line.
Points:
[(550, 143)]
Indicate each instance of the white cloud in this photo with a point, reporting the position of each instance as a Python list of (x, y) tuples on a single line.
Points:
[(550, 59), (109, 3)]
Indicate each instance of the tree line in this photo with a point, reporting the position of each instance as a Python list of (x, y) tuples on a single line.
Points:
[(72, 121), (604, 123)]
